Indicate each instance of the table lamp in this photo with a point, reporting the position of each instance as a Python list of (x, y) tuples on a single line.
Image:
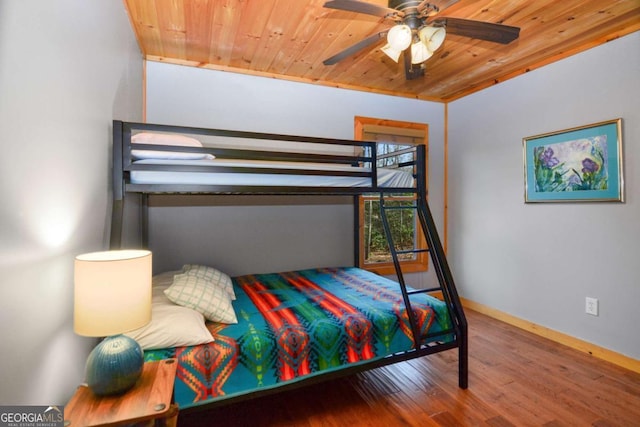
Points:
[(112, 295)]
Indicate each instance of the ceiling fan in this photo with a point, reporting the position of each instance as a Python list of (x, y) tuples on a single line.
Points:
[(418, 31)]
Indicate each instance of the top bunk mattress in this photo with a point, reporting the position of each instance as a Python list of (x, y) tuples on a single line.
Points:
[(390, 178)]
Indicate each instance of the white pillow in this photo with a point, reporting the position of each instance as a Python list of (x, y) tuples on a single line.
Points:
[(216, 277), (199, 294), (162, 281), (167, 139), (171, 325)]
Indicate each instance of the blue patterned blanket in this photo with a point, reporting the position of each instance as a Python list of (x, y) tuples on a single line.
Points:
[(297, 324)]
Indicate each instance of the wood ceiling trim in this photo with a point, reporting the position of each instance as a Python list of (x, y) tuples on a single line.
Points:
[(545, 61), (244, 71)]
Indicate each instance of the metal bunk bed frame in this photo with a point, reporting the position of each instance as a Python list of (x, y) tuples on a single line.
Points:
[(123, 165)]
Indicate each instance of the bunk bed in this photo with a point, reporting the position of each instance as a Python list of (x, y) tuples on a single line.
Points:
[(288, 329)]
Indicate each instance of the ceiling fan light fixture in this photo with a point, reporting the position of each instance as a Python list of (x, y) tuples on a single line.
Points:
[(419, 53), (400, 37), (391, 52), (432, 37)]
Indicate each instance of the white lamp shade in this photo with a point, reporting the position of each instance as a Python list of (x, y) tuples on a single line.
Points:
[(112, 292), (391, 52), (399, 37), (432, 37), (419, 53)]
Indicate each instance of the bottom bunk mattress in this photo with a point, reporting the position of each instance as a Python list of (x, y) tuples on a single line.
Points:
[(295, 325)]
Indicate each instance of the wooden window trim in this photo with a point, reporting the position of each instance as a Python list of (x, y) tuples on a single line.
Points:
[(419, 264)]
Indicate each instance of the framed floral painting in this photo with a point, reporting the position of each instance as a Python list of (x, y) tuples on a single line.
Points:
[(582, 164)]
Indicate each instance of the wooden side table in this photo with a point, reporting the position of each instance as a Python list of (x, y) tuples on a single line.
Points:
[(148, 401)]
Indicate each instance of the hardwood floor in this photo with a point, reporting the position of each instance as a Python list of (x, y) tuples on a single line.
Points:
[(516, 379)]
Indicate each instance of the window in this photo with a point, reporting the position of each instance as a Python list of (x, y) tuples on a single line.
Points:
[(407, 234)]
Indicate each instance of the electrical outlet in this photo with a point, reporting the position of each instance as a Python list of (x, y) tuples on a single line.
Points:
[(591, 306)]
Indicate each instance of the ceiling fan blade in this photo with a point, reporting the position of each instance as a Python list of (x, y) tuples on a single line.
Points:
[(363, 7), (489, 31), (351, 50)]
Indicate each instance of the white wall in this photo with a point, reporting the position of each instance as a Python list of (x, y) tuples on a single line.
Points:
[(198, 97), (539, 261), (67, 68), (253, 234)]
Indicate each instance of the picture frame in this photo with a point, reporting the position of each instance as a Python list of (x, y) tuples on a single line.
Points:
[(581, 164)]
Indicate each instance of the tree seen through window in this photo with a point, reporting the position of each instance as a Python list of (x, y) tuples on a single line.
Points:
[(393, 137)]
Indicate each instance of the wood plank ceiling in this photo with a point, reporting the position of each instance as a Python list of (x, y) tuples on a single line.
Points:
[(289, 39)]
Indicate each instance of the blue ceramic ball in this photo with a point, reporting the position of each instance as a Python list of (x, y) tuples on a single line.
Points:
[(114, 365)]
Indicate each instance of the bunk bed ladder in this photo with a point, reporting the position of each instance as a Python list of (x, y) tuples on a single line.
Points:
[(445, 278), (417, 338)]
